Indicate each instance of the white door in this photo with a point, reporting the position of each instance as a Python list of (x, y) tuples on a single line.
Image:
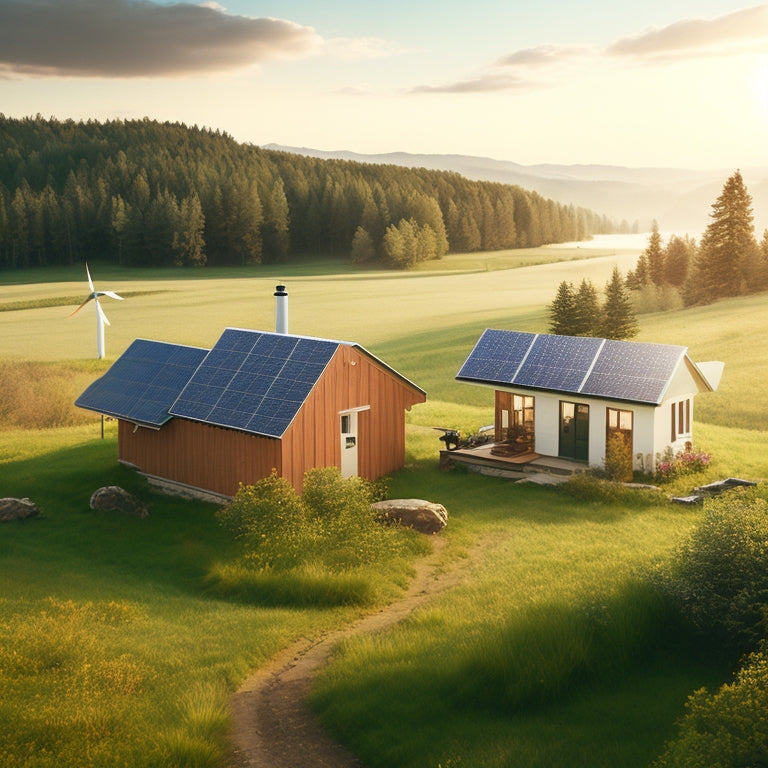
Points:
[(348, 422)]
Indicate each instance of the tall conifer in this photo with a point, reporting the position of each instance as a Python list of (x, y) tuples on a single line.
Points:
[(728, 246), (619, 321), (561, 309)]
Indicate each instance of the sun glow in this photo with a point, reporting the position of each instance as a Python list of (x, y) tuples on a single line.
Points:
[(760, 87)]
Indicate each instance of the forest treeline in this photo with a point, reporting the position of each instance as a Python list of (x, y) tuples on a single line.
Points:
[(144, 193), (727, 261)]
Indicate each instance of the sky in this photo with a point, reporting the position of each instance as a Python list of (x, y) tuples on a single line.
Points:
[(680, 84)]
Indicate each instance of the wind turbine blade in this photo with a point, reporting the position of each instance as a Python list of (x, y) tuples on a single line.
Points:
[(90, 282), (101, 313), (81, 306), (112, 294)]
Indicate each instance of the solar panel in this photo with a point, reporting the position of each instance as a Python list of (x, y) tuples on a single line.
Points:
[(633, 371), (496, 356), (558, 362), (621, 370), (143, 382), (254, 381)]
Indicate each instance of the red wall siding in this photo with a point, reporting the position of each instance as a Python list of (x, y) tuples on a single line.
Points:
[(199, 455), (219, 459)]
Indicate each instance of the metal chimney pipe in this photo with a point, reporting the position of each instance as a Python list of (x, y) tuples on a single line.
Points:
[(281, 309)]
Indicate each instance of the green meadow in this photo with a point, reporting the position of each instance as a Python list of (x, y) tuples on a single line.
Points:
[(115, 651)]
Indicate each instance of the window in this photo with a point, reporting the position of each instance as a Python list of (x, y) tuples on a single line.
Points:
[(680, 419), (619, 420)]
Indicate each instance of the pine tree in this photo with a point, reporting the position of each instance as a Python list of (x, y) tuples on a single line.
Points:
[(362, 249), (561, 309), (638, 278), (762, 279), (654, 255), (586, 317), (619, 321), (728, 246), (677, 257)]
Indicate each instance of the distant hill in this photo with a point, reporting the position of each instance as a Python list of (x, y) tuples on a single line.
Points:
[(144, 193), (680, 200)]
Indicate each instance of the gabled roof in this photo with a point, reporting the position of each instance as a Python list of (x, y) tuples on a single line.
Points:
[(144, 382), (604, 368), (252, 381)]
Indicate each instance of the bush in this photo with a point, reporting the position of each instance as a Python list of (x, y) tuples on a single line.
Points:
[(345, 532), (720, 575), (727, 729), (324, 547), (671, 465), (270, 519), (618, 458)]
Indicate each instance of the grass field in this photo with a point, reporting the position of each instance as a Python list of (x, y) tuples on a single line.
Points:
[(112, 652)]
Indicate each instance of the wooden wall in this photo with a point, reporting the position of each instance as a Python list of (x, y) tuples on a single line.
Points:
[(217, 459), (199, 455), (352, 380)]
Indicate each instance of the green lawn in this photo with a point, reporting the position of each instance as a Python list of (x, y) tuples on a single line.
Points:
[(113, 652)]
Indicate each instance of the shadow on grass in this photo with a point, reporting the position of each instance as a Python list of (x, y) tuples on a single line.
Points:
[(479, 498), (73, 545)]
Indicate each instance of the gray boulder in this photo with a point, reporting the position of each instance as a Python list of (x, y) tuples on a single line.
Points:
[(17, 509), (115, 499), (423, 516)]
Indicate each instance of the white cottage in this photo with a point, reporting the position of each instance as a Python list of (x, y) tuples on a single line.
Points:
[(564, 395)]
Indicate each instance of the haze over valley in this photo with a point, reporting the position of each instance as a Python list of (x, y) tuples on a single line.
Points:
[(678, 199)]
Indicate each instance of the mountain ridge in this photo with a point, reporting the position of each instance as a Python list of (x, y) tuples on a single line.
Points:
[(679, 199)]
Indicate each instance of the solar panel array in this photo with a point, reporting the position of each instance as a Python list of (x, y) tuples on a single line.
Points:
[(497, 356), (254, 381), (558, 362), (144, 382), (621, 370), (633, 371)]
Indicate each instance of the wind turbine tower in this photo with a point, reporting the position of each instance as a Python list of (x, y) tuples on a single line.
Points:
[(101, 318)]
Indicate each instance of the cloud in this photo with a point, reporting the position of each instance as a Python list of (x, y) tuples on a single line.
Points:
[(139, 38), (545, 55), (487, 83), (360, 48), (730, 34), (547, 64), (524, 69)]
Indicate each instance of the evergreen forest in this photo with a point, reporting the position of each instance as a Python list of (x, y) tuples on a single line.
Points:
[(728, 261), (145, 193)]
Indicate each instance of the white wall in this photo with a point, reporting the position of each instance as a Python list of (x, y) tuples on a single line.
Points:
[(645, 434)]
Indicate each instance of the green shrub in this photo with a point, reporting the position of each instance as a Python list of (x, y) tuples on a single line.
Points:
[(320, 548), (727, 729), (720, 574), (271, 521), (618, 458), (670, 465)]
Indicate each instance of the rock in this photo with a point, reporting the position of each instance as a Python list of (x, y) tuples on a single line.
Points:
[(115, 499), (423, 516), (17, 509)]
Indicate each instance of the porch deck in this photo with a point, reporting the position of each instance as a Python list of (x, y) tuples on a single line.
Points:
[(488, 460)]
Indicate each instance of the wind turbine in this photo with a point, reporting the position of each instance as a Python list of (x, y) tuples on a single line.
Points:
[(101, 318)]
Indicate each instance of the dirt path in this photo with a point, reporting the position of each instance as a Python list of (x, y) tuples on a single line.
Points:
[(273, 727)]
